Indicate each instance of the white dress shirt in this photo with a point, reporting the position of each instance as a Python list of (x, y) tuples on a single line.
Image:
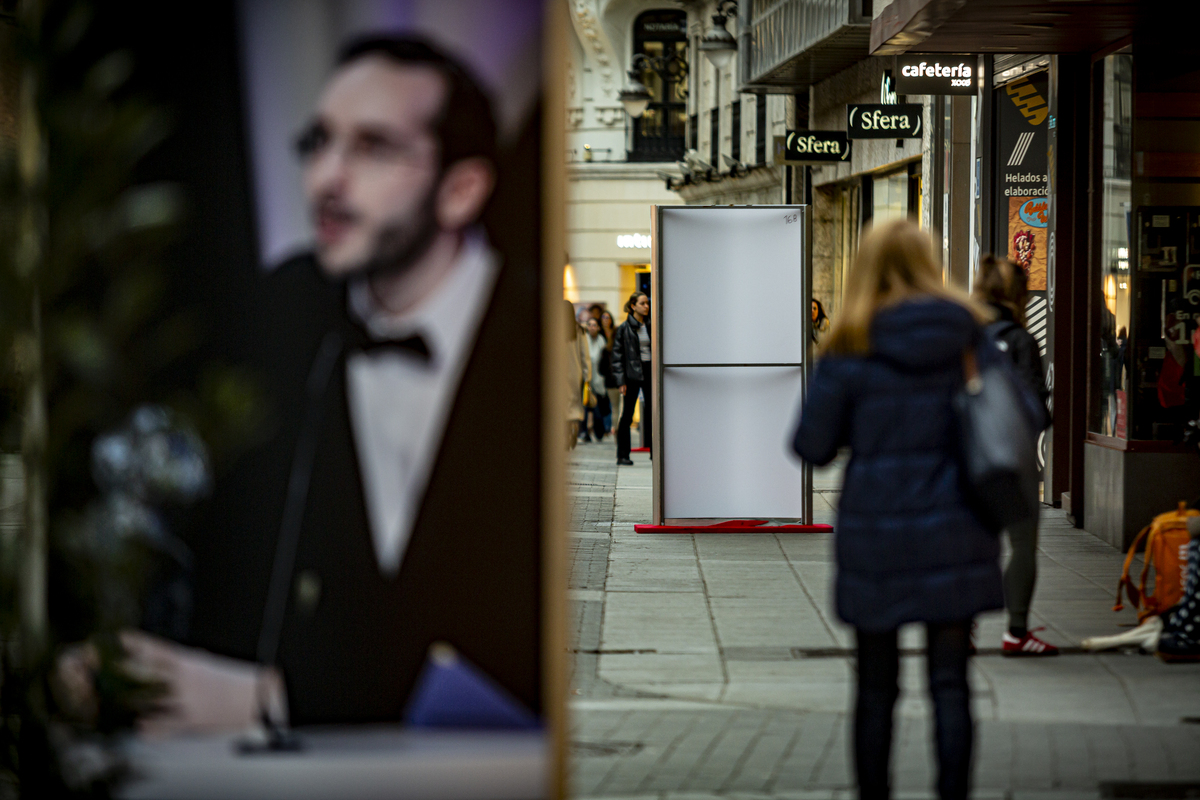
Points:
[(399, 402)]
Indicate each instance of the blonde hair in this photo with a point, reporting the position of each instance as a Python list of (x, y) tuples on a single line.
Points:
[(1001, 282), (895, 262)]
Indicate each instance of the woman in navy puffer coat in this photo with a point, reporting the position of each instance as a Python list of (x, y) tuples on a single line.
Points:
[(908, 547)]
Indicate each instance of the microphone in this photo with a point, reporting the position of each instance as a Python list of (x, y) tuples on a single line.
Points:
[(278, 738)]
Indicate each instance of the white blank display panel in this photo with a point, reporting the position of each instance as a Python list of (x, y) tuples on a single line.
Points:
[(725, 449), (732, 288), (731, 334)]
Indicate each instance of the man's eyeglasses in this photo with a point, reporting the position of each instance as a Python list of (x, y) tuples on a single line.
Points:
[(366, 145), (311, 141)]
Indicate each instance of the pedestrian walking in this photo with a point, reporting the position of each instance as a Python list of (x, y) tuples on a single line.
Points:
[(609, 329), (598, 355), (578, 375), (631, 369), (908, 547), (1004, 286)]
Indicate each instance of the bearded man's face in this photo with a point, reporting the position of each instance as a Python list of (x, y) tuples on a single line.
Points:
[(372, 166)]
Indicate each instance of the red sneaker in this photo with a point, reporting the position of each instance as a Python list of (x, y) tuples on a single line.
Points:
[(1027, 645)]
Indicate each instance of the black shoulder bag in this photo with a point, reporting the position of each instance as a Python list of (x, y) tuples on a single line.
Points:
[(998, 446)]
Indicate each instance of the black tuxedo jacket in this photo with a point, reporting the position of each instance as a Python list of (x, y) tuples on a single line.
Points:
[(354, 640)]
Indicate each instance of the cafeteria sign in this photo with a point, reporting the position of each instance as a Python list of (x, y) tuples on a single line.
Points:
[(879, 121), (813, 146), (936, 74)]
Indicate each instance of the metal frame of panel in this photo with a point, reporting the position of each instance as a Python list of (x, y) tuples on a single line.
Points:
[(656, 333)]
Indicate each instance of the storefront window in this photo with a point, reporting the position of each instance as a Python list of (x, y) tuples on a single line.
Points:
[(896, 195), (845, 198), (1111, 392), (890, 195)]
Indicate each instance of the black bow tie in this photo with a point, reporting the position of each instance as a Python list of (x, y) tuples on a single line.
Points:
[(413, 345)]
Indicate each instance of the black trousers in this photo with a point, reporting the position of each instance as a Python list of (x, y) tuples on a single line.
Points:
[(632, 388), (948, 651), (597, 413)]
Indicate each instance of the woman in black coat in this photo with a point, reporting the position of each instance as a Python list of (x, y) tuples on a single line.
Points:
[(631, 369), (908, 547)]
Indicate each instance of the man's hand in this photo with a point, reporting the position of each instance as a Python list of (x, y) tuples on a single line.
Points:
[(206, 693), (622, 390), (74, 683)]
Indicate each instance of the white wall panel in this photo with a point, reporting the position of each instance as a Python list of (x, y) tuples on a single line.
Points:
[(732, 288), (725, 450)]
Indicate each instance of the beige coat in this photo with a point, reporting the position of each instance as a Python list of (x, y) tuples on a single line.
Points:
[(579, 372)]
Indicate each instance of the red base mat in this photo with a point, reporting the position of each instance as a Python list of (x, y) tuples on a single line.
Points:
[(735, 526), (639, 449)]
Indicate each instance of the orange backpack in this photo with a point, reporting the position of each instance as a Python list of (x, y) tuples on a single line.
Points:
[(1166, 549)]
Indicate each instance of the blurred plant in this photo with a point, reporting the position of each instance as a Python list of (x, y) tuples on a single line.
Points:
[(87, 335), (149, 463)]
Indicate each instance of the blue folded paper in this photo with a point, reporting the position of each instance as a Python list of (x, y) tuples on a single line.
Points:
[(451, 692)]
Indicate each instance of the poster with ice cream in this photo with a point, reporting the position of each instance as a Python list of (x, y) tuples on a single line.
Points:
[(1027, 225)]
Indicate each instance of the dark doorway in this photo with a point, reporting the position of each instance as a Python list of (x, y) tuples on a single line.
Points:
[(643, 283), (659, 134)]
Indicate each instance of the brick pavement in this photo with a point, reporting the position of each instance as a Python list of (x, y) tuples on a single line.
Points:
[(711, 666)]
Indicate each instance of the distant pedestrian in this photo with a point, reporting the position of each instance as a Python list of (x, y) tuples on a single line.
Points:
[(820, 320), (631, 369), (908, 547), (1004, 286), (597, 408), (609, 328), (578, 374)]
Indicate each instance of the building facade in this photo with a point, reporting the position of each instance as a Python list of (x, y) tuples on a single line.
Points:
[(731, 133), (1074, 149), (818, 66), (1091, 120), (700, 140), (618, 167)]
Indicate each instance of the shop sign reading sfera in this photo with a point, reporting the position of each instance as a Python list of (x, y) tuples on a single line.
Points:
[(812, 146), (935, 74), (879, 121)]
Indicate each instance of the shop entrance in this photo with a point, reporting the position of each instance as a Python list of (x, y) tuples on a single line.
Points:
[(634, 278)]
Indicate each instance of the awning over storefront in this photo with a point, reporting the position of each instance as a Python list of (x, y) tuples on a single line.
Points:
[(1003, 26), (788, 45)]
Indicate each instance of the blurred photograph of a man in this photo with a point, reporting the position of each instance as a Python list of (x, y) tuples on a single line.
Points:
[(393, 198), (387, 513)]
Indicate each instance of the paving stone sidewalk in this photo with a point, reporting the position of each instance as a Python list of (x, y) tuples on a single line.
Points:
[(713, 666)]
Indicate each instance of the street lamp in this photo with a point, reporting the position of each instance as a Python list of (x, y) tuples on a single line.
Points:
[(718, 44), (634, 95)]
